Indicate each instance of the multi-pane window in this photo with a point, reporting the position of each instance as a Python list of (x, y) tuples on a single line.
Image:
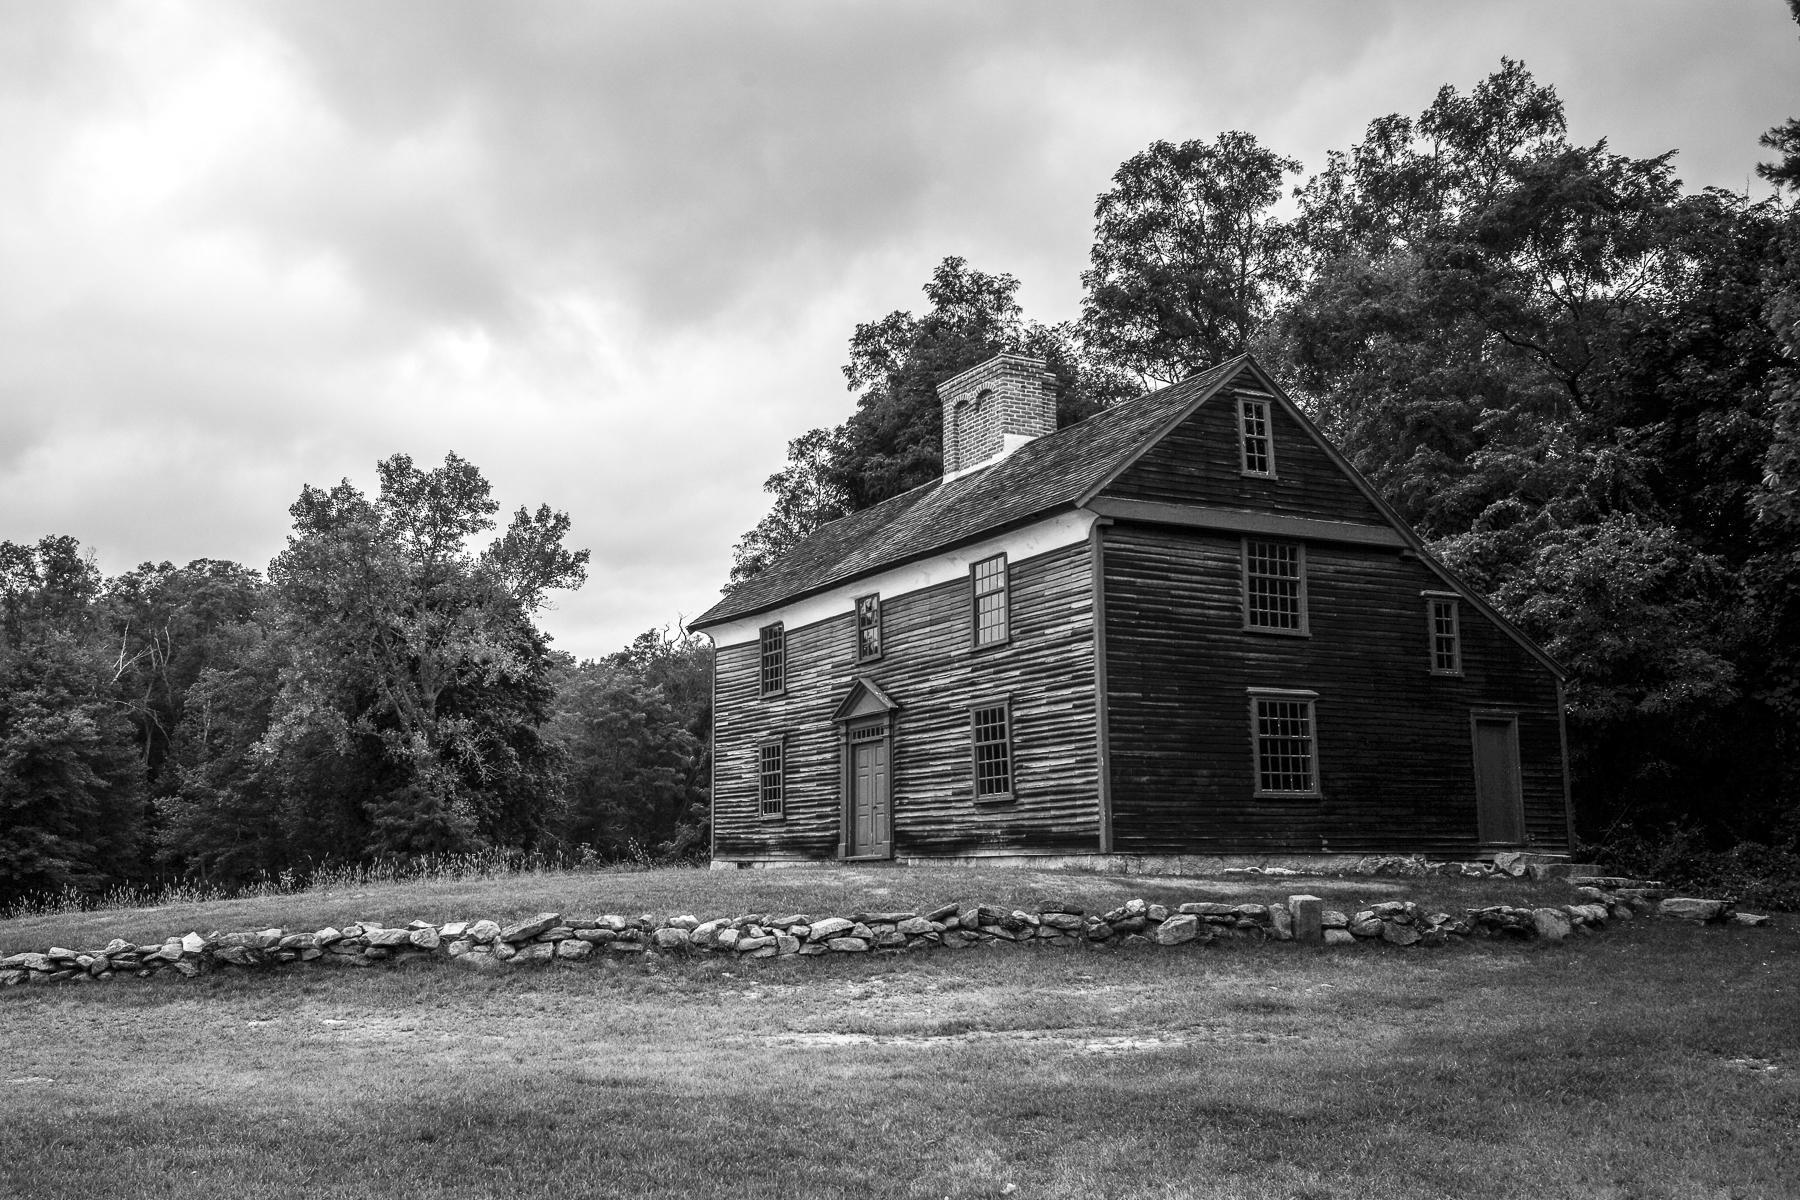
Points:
[(990, 600), (1274, 586), (868, 628), (1253, 437), (771, 770), (1446, 635), (1281, 726), (774, 660), (991, 732)]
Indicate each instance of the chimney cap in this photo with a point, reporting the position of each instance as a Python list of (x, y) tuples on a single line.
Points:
[(989, 366)]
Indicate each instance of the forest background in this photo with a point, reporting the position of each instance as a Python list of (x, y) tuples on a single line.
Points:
[(1580, 383)]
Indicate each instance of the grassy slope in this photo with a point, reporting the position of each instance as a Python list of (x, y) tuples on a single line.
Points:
[(1603, 1067), (817, 891)]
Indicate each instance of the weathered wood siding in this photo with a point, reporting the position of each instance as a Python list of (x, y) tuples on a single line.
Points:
[(929, 668), (1198, 462), (1393, 741)]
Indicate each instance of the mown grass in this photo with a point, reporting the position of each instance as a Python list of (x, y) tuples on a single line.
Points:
[(1654, 1060), (671, 891)]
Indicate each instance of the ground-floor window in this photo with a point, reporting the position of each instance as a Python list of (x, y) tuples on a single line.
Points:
[(991, 733), (1282, 727), (772, 775)]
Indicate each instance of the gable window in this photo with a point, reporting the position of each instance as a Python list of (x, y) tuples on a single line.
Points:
[(1281, 735), (868, 628), (772, 778), (774, 660), (1253, 437), (989, 576), (990, 730), (1275, 587), (1445, 626)]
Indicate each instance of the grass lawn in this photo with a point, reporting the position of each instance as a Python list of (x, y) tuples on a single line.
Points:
[(1655, 1060)]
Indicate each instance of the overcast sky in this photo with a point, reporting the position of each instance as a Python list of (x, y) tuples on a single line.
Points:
[(612, 253)]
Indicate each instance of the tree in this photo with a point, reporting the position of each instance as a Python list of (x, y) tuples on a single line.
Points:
[(1187, 259), (893, 442), (420, 658), (70, 786), (1785, 140)]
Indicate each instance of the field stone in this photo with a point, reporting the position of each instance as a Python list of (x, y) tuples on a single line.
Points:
[(830, 927), (484, 931), (1396, 934), (786, 943), (1281, 922), (1177, 929), (1339, 937), (1552, 924), (1366, 926), (943, 914), (1157, 913), (1752, 920), (535, 952), (624, 947), (1137, 939), (13, 977), (530, 927), (1332, 918), (390, 937), (685, 922), (672, 937), (573, 948), (1208, 908), (848, 945), (426, 938), (914, 926), (192, 943), (1689, 908), (1099, 931)]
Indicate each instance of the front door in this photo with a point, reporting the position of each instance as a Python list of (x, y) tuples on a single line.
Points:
[(1499, 804), (871, 814)]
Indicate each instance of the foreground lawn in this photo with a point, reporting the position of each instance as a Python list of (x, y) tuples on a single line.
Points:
[(1654, 1060), (672, 891)]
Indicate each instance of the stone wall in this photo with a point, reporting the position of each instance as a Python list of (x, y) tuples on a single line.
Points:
[(576, 938)]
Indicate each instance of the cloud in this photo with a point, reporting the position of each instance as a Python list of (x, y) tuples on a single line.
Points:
[(611, 253)]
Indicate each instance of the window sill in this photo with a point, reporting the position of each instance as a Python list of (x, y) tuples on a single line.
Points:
[(1293, 633), (1446, 674), (990, 647), (772, 695), (1261, 795), (993, 801), (1243, 474)]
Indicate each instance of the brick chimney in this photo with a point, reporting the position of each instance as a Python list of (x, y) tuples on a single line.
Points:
[(992, 409)]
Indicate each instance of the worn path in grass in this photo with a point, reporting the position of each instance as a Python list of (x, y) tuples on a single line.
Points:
[(1654, 1060), (815, 890)]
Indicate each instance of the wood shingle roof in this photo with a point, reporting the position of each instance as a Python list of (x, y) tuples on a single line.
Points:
[(1043, 475)]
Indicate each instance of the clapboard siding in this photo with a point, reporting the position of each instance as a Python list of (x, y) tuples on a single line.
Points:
[(1393, 741), (929, 668), (1198, 463)]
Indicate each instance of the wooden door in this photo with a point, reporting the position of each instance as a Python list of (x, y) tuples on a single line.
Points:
[(1499, 803), (871, 816)]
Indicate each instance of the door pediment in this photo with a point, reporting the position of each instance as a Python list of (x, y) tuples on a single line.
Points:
[(864, 699)]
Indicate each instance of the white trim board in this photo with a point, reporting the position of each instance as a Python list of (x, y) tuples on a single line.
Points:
[(1040, 537)]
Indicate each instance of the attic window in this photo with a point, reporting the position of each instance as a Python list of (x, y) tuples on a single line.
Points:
[(774, 660), (1254, 440), (1445, 631)]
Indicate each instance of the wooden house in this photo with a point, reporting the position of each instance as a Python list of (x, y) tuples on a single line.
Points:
[(1182, 631)]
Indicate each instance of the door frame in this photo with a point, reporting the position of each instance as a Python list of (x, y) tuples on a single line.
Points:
[(847, 742), (1510, 717)]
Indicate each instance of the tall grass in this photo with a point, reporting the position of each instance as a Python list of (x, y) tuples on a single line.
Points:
[(327, 877)]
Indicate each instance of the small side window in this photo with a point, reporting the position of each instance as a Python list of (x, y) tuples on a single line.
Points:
[(1254, 440), (1444, 624), (772, 778), (990, 734), (774, 660), (868, 628)]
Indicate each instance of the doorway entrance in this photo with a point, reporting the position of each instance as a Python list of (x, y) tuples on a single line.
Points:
[(870, 815), (1499, 799)]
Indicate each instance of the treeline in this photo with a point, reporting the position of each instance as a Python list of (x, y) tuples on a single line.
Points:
[(382, 692), (1578, 380)]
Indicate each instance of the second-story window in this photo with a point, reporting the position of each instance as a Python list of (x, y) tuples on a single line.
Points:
[(868, 628), (774, 660), (1253, 437), (1446, 634), (1274, 586), (989, 576)]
